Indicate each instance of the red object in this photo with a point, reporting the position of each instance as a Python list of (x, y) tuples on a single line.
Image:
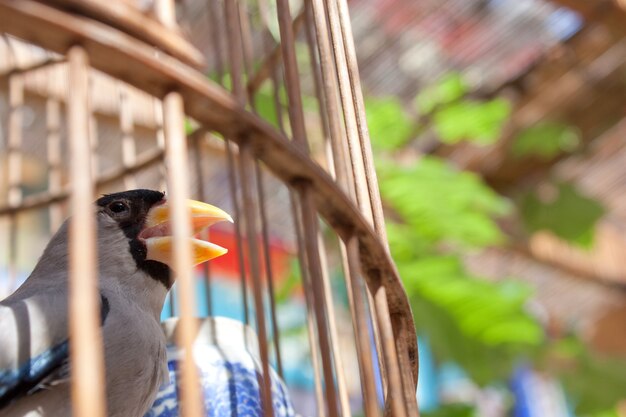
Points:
[(227, 266)]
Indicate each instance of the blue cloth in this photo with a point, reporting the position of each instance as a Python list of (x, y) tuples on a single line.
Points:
[(230, 386)]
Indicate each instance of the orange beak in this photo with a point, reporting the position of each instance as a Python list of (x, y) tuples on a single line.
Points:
[(157, 233)]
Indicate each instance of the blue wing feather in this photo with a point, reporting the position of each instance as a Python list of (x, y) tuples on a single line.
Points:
[(41, 371), (16, 382)]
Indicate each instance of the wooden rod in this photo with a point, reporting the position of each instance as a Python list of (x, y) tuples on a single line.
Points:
[(232, 183), (349, 114), (308, 297), (93, 132), (292, 78), (201, 195), (395, 390), (271, 61), (86, 349), (360, 314), (269, 273), (178, 186), (55, 173), (14, 166), (310, 229), (265, 234), (328, 97), (251, 209), (344, 401), (362, 129), (129, 148)]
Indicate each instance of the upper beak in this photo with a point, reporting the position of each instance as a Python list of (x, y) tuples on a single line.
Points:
[(157, 233)]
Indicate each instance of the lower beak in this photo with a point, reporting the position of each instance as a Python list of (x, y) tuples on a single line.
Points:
[(157, 233)]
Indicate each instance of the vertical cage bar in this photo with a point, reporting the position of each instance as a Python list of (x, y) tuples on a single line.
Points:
[(296, 214), (344, 401), (308, 297), (53, 132), (395, 389), (345, 94), (371, 305), (214, 18), (232, 183), (235, 60), (309, 32), (359, 107), (129, 151), (86, 349), (14, 151), (292, 82), (14, 164), (343, 42), (157, 108), (93, 131), (265, 242), (201, 195), (406, 369), (178, 186), (326, 90), (165, 11), (250, 212), (310, 229), (359, 314), (269, 275)]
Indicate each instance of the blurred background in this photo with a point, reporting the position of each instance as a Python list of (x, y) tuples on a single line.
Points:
[(498, 132)]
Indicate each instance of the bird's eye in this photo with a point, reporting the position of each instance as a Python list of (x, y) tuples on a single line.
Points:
[(118, 207)]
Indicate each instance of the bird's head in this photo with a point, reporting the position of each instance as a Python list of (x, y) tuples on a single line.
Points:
[(143, 217)]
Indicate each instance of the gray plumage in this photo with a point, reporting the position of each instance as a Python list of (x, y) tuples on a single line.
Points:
[(33, 321)]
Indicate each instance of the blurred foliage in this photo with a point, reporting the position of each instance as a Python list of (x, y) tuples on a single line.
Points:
[(438, 213), (595, 383), (456, 118), (449, 112), (570, 215), (389, 125), (546, 140), (469, 320), (441, 204), (288, 285), (478, 122), (265, 105), (448, 89), (452, 410)]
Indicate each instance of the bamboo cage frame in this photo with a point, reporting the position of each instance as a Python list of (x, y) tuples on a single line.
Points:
[(148, 53)]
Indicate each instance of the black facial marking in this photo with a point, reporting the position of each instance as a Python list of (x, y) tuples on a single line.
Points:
[(130, 209)]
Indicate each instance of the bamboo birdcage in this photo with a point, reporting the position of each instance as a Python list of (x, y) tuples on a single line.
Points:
[(97, 97)]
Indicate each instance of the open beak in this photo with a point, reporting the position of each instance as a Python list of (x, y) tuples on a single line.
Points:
[(157, 233)]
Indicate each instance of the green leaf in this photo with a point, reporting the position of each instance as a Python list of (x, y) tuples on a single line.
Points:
[(449, 88), (472, 121), (594, 383), (287, 287), (265, 106), (571, 215), (546, 140), (190, 126), (443, 205), (467, 317), (452, 410), (442, 318), (389, 125)]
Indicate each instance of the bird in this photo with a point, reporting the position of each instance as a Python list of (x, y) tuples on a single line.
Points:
[(135, 245)]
